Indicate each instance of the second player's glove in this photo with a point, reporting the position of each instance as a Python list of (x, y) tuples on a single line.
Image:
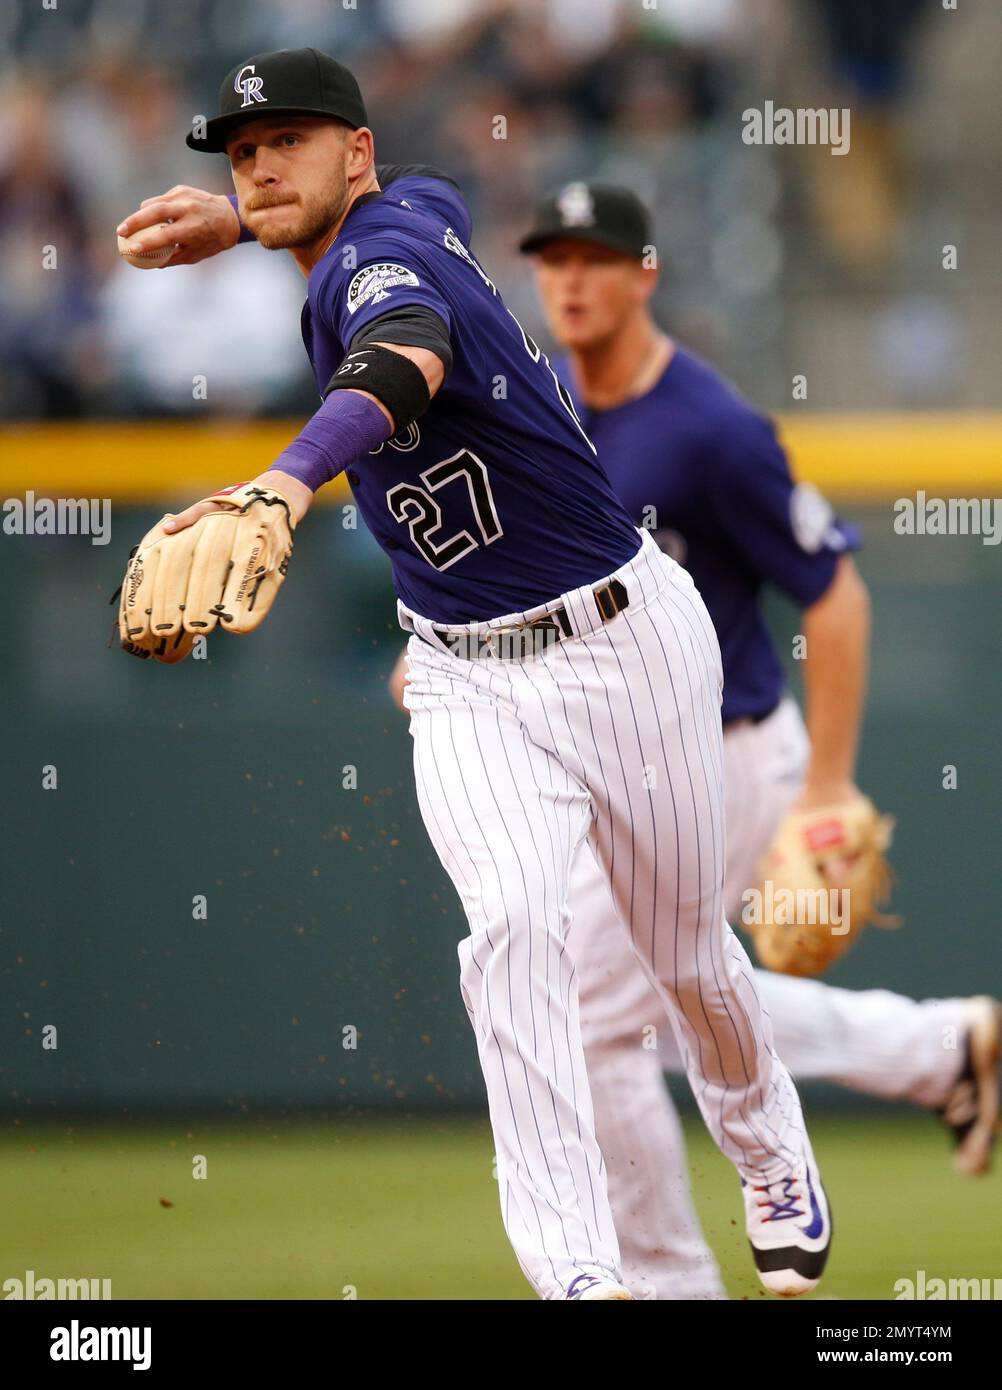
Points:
[(822, 859), (223, 571)]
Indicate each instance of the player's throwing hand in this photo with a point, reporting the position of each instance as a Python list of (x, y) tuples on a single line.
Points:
[(201, 225)]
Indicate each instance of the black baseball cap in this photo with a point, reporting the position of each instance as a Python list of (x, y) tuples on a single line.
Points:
[(594, 212), (290, 82)]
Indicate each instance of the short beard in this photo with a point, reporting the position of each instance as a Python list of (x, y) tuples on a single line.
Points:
[(319, 212)]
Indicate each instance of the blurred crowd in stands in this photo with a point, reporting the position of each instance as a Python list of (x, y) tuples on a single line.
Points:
[(97, 96)]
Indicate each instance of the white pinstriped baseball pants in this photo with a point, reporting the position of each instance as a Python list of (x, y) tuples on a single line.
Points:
[(612, 735), (873, 1040)]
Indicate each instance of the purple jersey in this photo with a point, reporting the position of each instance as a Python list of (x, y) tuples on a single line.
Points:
[(493, 501), (694, 462)]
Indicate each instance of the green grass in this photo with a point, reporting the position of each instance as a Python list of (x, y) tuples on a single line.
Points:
[(407, 1211)]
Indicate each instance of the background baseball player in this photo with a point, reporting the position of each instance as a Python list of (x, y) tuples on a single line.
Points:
[(602, 719), (693, 460)]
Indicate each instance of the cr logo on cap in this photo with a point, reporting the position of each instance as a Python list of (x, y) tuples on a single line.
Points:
[(249, 86)]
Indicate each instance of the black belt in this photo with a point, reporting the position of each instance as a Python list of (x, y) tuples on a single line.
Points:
[(510, 641), (752, 718)]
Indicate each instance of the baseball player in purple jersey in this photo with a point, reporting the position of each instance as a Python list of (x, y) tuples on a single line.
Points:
[(695, 463), (565, 677)]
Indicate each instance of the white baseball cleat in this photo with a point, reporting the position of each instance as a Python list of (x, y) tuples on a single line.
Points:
[(587, 1288), (789, 1227), (972, 1107)]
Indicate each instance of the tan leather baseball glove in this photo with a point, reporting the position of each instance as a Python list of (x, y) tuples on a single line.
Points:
[(823, 878), (223, 571)]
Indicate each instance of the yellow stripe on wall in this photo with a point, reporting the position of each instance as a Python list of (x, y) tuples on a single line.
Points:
[(881, 456), (165, 461), (848, 456)]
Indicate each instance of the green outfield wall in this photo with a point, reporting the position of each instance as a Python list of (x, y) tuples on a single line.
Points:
[(228, 900)]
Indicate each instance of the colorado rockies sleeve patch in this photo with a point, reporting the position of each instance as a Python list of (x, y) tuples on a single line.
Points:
[(374, 282), (812, 520)]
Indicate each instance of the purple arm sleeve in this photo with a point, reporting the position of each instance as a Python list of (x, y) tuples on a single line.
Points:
[(346, 427), (245, 235)]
